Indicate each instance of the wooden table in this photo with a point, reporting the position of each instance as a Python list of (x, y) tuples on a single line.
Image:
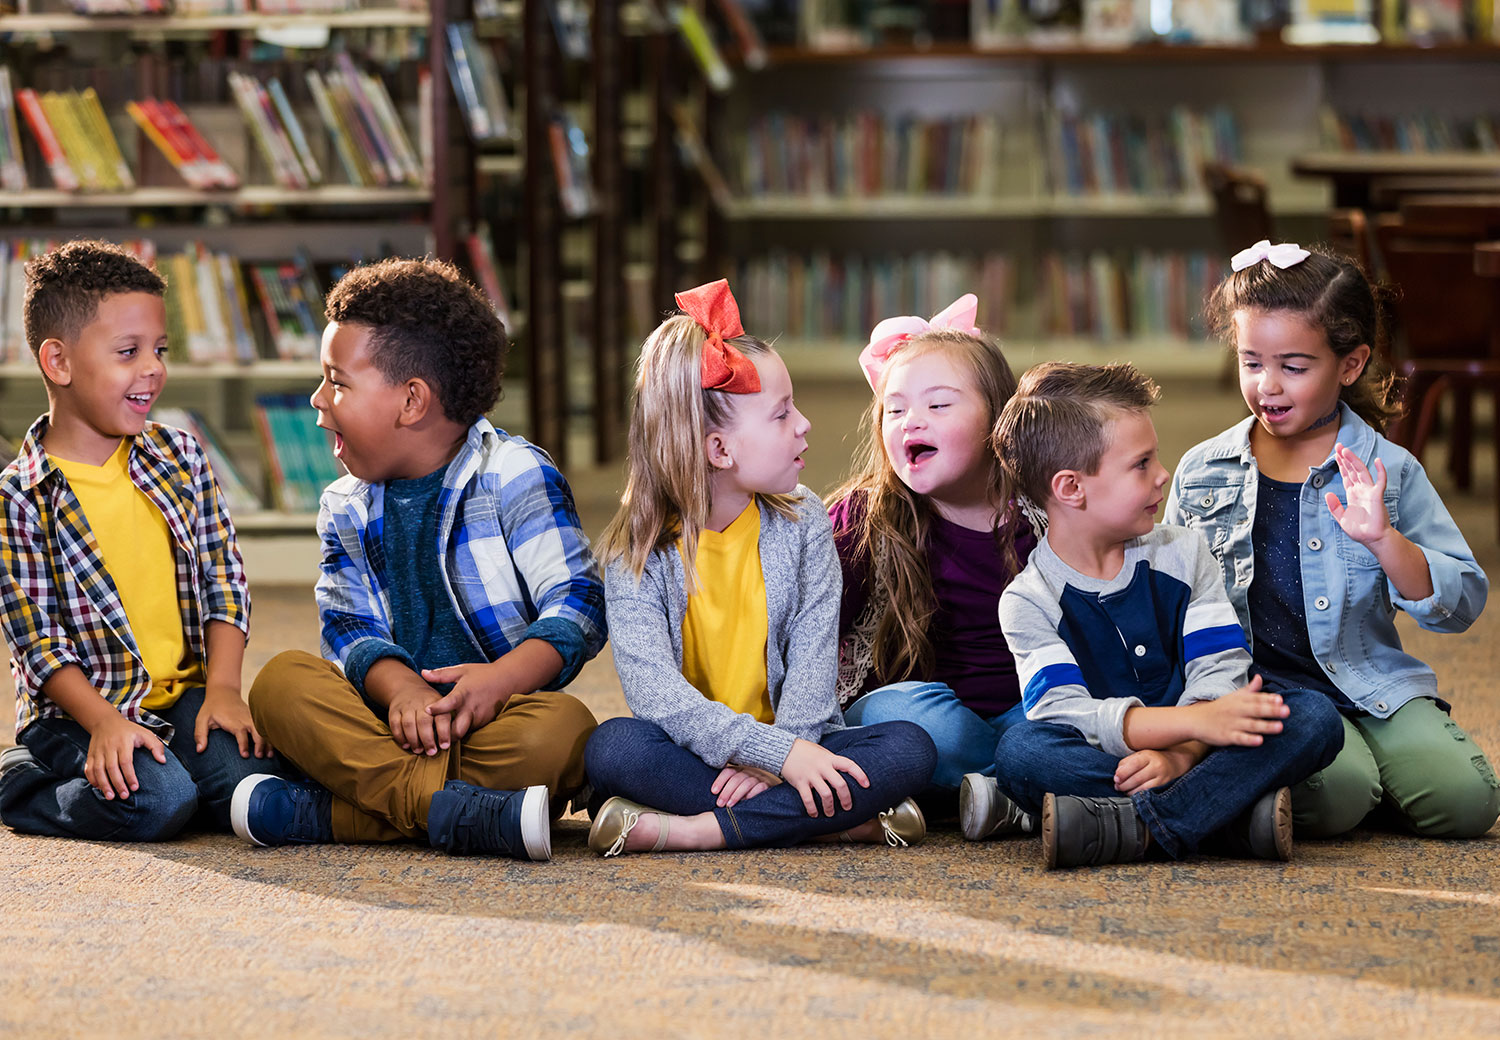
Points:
[(1355, 174), (1477, 214)]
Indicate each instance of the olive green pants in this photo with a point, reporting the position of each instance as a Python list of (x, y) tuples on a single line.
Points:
[(1419, 762)]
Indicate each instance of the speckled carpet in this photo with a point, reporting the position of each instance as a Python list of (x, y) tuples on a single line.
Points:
[(1377, 935)]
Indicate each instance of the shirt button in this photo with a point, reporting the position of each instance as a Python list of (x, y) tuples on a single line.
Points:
[(1318, 481), (1321, 602), (1315, 544), (1208, 500), (1380, 705), (1140, 651), (1330, 668)]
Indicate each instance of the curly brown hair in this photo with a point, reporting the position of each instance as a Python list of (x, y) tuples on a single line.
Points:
[(427, 322), (64, 287)]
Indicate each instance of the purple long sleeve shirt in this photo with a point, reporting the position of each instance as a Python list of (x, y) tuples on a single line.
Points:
[(968, 574)]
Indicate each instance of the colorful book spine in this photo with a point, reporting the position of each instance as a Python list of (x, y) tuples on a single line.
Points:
[(12, 160), (62, 172)]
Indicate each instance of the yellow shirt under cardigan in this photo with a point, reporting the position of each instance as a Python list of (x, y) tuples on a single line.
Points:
[(138, 554), (724, 627)]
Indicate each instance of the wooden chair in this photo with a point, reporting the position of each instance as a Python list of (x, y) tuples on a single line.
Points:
[(1349, 233), (1446, 336), (1242, 217), (1241, 212)]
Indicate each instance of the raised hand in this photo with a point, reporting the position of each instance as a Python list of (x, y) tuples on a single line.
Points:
[(1364, 517)]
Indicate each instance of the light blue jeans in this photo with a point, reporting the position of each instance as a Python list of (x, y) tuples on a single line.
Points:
[(965, 740)]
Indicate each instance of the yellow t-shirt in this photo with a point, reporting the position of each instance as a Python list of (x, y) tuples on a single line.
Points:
[(138, 554), (724, 627)]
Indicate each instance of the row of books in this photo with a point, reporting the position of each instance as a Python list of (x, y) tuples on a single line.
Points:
[(823, 296), (1113, 296), (1419, 132), (219, 308), (867, 153), (1157, 154), (841, 24), (1099, 295), (202, 8), (73, 138), (296, 456)]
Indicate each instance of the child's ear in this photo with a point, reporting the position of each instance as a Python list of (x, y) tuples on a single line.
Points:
[(717, 450), (420, 402), (1353, 363), (1067, 489), (53, 357)]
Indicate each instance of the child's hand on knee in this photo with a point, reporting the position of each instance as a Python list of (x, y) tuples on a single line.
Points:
[(110, 766), (473, 702), (1144, 770), (411, 725), (1243, 717), (736, 784), (817, 774)]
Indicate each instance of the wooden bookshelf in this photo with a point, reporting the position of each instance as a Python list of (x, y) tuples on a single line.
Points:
[(173, 25), (1155, 54), (250, 195), (907, 207)]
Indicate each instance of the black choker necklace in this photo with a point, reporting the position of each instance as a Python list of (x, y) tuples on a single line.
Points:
[(1325, 420)]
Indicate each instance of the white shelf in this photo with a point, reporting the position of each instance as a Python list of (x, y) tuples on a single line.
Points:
[(172, 24), (916, 207), (1157, 357), (253, 195)]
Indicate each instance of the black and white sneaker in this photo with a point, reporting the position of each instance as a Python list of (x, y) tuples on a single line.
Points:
[(985, 811)]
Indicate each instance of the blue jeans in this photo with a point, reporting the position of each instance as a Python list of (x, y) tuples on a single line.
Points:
[(51, 796), (1038, 758), (965, 740), (638, 761)]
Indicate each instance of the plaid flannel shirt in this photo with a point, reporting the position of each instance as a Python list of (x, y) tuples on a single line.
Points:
[(513, 554), (61, 607)]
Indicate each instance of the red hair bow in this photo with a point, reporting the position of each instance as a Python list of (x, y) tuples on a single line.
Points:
[(712, 306)]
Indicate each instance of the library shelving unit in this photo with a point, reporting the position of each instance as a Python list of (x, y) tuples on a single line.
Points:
[(257, 222), (1282, 98)]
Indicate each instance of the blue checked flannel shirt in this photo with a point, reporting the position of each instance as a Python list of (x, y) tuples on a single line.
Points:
[(60, 605), (514, 558)]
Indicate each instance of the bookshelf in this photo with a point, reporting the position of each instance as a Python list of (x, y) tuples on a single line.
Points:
[(332, 223), (807, 147)]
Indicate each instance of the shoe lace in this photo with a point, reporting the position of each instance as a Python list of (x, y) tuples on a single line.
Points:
[(630, 818), (892, 839), (309, 809), (478, 827)]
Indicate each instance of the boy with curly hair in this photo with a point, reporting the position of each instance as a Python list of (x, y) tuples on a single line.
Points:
[(457, 595), (122, 593)]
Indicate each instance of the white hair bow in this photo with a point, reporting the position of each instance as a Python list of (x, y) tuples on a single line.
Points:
[(1282, 255)]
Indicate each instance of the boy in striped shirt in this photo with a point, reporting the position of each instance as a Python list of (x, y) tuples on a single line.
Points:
[(1143, 725)]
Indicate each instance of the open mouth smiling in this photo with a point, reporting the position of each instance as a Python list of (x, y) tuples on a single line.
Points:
[(917, 452)]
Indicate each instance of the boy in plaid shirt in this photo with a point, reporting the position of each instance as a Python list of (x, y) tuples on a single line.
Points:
[(457, 595), (123, 594)]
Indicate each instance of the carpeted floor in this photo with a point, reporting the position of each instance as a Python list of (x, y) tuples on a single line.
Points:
[(1380, 934)]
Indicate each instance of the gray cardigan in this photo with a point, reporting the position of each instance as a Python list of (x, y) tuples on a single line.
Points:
[(803, 586)]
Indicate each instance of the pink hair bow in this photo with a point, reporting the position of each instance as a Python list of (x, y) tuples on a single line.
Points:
[(1282, 255), (889, 335)]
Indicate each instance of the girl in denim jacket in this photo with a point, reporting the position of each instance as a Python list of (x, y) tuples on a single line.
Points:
[(1323, 529)]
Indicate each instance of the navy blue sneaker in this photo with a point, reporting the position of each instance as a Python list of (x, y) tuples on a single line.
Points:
[(465, 819), (267, 810)]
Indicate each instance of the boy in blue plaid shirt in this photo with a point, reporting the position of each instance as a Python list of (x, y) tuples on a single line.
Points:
[(124, 597), (457, 595)]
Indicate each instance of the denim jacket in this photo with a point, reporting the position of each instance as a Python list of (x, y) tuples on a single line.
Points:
[(1350, 604)]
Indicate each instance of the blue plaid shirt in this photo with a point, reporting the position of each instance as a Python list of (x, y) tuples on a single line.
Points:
[(514, 559), (60, 605)]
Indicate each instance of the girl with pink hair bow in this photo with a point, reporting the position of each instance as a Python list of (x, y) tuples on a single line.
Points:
[(929, 535)]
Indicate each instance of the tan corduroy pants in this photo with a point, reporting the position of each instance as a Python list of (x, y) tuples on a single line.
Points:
[(315, 718)]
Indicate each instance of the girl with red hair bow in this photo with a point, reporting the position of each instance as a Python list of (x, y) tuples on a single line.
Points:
[(721, 587)]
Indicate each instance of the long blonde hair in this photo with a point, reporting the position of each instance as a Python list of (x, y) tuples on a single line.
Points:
[(894, 523), (668, 480)]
